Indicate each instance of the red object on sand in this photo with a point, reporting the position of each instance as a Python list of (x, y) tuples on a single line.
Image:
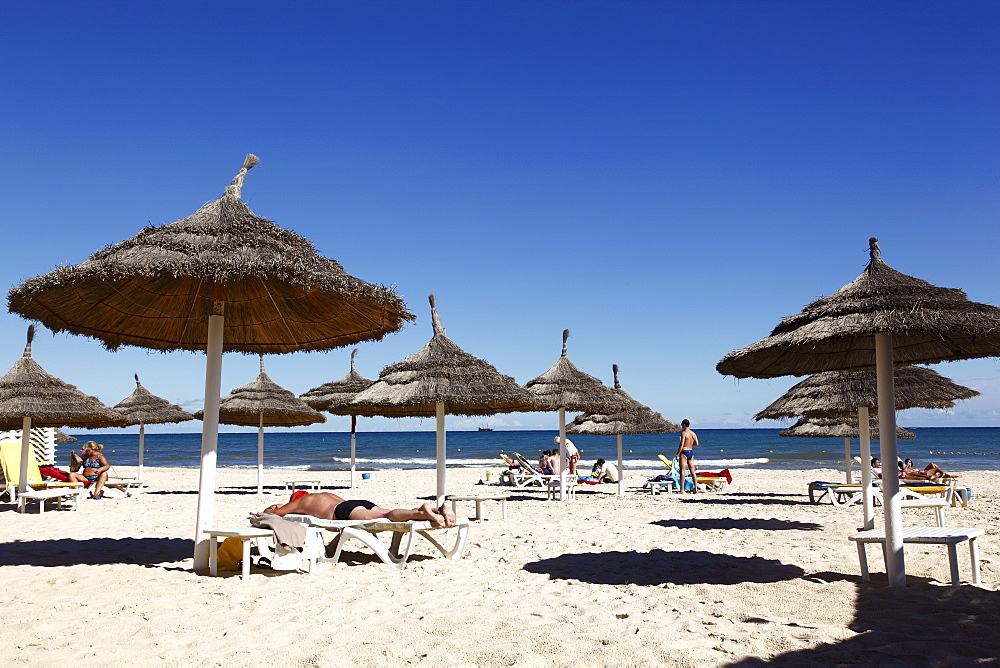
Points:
[(724, 473), (297, 494)]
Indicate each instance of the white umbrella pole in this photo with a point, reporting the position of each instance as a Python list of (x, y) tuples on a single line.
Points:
[(354, 425), (562, 453), (621, 467), (260, 455), (441, 455), (22, 482), (142, 438), (847, 459), (866, 467), (209, 437), (895, 564)]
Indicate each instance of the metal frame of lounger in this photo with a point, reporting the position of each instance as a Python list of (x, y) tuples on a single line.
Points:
[(365, 531)]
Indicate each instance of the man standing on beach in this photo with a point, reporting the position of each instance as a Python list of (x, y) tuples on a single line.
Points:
[(685, 451)]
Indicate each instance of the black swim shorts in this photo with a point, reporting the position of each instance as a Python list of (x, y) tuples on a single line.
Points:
[(342, 511)]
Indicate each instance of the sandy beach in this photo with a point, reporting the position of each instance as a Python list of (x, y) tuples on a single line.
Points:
[(753, 574)]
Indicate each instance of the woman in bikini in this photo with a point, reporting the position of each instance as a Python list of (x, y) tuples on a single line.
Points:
[(94, 469)]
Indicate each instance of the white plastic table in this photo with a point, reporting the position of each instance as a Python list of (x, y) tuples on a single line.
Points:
[(950, 536), (245, 534), (43, 495), (479, 498), (290, 485)]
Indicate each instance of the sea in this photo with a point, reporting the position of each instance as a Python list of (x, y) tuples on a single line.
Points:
[(952, 448)]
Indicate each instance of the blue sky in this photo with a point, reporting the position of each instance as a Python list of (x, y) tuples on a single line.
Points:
[(665, 179)]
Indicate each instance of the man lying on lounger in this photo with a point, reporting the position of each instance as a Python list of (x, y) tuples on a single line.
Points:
[(331, 507)]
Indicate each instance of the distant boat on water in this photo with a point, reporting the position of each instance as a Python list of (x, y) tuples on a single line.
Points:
[(486, 429)]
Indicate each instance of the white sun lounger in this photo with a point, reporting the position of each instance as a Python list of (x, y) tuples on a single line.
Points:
[(365, 531)]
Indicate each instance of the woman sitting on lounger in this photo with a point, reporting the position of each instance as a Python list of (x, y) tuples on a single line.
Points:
[(95, 469), (931, 472)]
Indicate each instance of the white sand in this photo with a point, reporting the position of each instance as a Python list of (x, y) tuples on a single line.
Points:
[(755, 571)]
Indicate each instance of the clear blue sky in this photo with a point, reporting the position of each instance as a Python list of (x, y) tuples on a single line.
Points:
[(665, 179)]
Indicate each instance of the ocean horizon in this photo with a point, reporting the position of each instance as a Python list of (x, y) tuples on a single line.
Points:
[(953, 448)]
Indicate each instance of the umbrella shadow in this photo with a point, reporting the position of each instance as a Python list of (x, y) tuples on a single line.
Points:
[(730, 501), (658, 567), (923, 624), (95, 551), (771, 524)]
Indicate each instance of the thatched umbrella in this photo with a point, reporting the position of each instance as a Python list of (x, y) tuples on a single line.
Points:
[(881, 318), (263, 403), (841, 426), (639, 419), (335, 397), (142, 407), (30, 396), (842, 392), (564, 387), (222, 279), (63, 437), (442, 378)]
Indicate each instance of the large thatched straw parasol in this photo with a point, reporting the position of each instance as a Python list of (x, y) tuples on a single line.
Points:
[(142, 407), (30, 396), (842, 392), (335, 397), (838, 426), (639, 419), (263, 403), (442, 378), (220, 279), (564, 387), (881, 318)]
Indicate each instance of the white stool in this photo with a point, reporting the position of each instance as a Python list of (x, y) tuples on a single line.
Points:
[(502, 498), (290, 485), (245, 534), (950, 536)]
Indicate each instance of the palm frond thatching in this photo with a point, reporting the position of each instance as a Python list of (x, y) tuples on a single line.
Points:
[(155, 289), (565, 386), (27, 390), (335, 397), (639, 419), (144, 407), (843, 392), (928, 324), (844, 427), (441, 372), (263, 399)]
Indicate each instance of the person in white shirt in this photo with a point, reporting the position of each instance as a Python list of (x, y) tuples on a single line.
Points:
[(572, 454), (605, 471)]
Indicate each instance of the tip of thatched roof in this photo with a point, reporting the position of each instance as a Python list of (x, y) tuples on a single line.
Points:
[(566, 386)]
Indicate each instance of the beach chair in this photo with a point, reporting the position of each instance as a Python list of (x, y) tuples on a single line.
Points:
[(366, 532), (10, 465), (528, 475), (706, 483)]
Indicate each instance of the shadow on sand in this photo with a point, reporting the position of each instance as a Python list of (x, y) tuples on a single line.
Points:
[(921, 625), (771, 524), (95, 551), (658, 567)]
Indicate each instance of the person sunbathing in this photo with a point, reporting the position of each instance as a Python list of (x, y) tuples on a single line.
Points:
[(930, 472), (332, 507)]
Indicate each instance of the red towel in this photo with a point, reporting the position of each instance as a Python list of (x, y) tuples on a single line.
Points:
[(53, 472), (297, 494)]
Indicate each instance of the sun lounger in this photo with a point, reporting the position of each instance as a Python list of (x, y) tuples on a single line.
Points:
[(706, 483), (365, 532), (10, 466)]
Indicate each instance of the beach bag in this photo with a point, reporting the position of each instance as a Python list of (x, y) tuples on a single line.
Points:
[(75, 461), (230, 554)]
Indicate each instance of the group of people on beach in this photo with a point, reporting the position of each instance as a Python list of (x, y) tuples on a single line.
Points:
[(906, 471)]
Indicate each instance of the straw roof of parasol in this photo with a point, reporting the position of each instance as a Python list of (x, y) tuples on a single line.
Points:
[(839, 392), (280, 408), (565, 386), (27, 390), (441, 372), (63, 437), (928, 324), (144, 407), (335, 397), (639, 419), (843, 426), (156, 289)]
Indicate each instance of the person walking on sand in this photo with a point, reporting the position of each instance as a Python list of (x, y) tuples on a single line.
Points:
[(685, 451), (572, 454)]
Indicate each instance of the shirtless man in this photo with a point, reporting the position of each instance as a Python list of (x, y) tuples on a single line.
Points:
[(685, 450), (331, 507)]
